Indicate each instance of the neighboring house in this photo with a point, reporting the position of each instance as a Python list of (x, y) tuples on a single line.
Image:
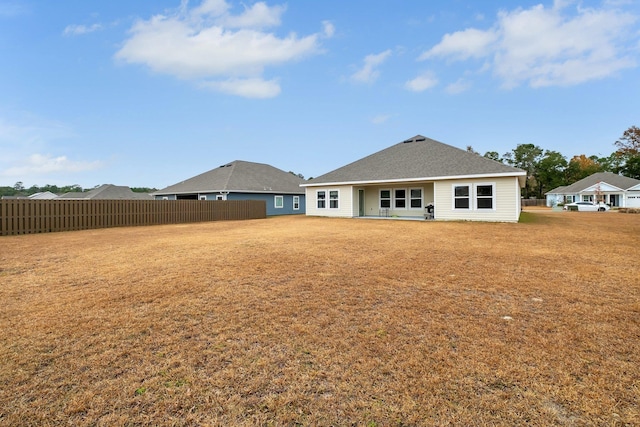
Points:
[(610, 188), (406, 179), (241, 180), (44, 195), (107, 192)]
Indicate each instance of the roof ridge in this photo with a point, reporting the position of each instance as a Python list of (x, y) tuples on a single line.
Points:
[(232, 165)]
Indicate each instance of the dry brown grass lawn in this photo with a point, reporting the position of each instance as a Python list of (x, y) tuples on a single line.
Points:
[(313, 321)]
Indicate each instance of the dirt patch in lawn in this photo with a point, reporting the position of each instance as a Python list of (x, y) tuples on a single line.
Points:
[(316, 321)]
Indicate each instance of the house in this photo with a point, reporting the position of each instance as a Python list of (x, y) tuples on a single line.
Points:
[(610, 188), (106, 192), (43, 195), (419, 178), (241, 180)]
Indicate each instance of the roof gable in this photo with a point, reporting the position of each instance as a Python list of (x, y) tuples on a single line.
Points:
[(602, 178), (602, 186), (416, 158), (239, 177)]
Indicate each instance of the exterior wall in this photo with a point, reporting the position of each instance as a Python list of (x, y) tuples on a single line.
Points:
[(373, 206), (346, 203), (506, 200), (287, 208), (506, 207), (554, 199), (269, 199)]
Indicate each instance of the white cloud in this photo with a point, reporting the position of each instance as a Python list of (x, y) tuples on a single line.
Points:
[(547, 46), (461, 45), (381, 118), (425, 81), (75, 30), (217, 49), (460, 86), (248, 88), (369, 73), (259, 16), (328, 28), (38, 164)]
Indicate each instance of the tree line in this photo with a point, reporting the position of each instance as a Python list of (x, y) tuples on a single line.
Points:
[(546, 169), (20, 190)]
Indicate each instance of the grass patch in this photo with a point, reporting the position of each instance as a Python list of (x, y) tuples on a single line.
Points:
[(318, 321)]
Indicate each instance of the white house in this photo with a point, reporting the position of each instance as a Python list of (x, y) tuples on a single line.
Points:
[(614, 190), (419, 178)]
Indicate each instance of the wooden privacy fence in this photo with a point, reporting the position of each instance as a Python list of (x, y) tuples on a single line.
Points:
[(533, 202), (23, 216)]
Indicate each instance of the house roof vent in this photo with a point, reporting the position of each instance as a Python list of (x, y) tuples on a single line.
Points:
[(417, 138)]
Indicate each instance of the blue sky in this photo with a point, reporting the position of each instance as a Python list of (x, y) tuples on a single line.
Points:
[(148, 93)]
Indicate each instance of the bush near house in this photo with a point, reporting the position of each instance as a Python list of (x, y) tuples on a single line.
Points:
[(318, 321)]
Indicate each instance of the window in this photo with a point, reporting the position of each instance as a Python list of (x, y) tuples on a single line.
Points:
[(278, 202), (477, 196), (321, 196), (416, 198), (333, 199), (385, 199), (296, 203), (203, 197), (461, 197), (219, 197), (400, 198), (484, 196)]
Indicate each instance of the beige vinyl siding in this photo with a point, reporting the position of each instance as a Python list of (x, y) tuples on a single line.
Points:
[(372, 199), (345, 201), (506, 206)]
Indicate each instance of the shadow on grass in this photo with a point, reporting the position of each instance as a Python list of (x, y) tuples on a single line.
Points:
[(534, 218)]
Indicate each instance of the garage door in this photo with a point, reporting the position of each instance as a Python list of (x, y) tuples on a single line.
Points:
[(633, 200)]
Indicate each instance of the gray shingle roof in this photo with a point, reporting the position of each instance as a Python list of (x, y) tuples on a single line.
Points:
[(239, 177), (417, 157), (108, 192), (611, 178)]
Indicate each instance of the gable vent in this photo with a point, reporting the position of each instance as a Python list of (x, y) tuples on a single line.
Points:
[(415, 139)]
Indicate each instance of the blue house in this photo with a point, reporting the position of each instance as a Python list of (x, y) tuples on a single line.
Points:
[(241, 180)]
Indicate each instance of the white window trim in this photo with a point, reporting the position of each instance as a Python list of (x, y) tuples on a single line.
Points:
[(493, 196), (473, 196), (296, 203), (219, 196), (454, 198), (407, 200), (318, 200), (337, 199), (390, 198), (202, 197), (275, 202), (422, 205)]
